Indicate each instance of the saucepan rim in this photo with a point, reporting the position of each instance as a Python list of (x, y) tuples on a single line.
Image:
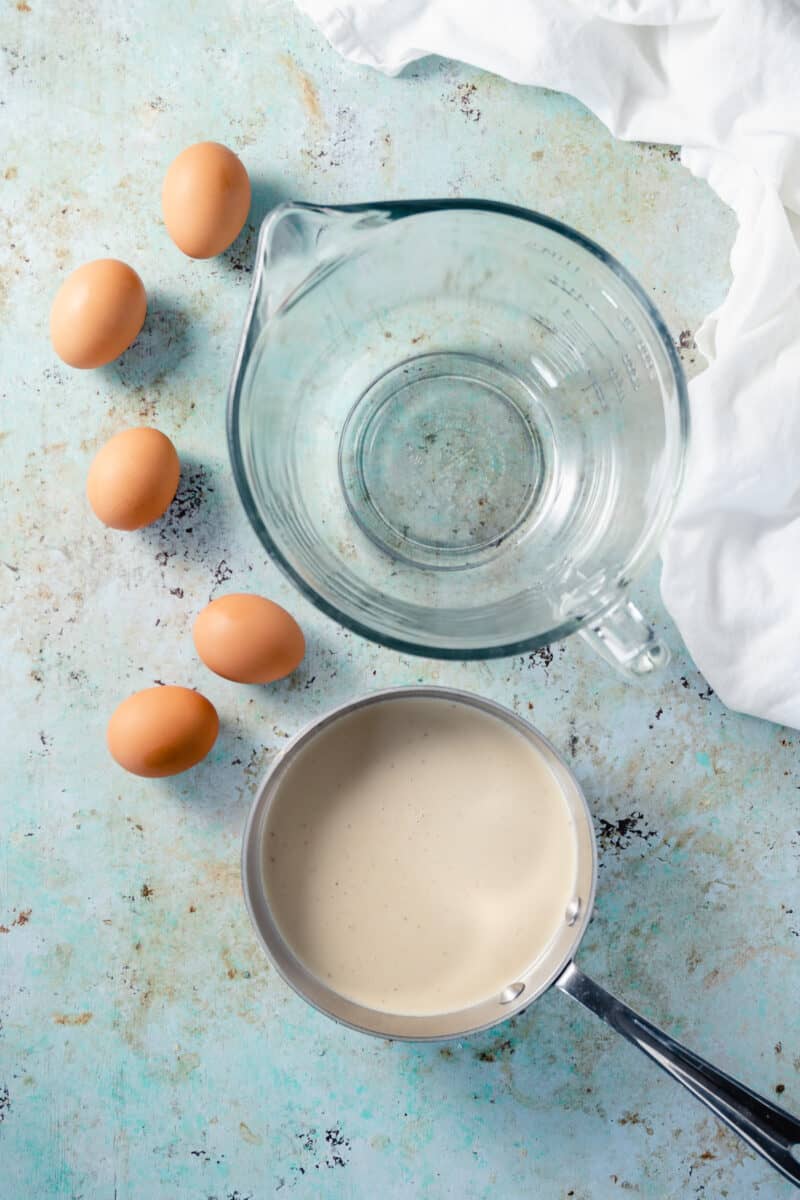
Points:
[(445, 1026)]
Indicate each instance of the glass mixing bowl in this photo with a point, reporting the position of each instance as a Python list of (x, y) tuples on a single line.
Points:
[(458, 426)]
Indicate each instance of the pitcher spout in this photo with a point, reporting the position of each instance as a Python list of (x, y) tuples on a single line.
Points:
[(296, 241)]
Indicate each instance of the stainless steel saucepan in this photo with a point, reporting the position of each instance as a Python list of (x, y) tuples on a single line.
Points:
[(769, 1130)]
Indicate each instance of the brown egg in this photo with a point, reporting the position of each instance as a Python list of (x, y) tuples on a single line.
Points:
[(205, 199), (248, 639), (133, 479), (162, 731), (98, 311)]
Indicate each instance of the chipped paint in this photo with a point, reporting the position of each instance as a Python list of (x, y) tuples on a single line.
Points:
[(146, 1047)]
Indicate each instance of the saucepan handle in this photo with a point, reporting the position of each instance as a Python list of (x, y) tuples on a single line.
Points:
[(769, 1130)]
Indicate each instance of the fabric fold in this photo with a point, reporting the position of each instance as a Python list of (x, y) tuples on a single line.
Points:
[(721, 80)]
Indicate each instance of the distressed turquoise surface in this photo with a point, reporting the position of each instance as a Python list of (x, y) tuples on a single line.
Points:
[(146, 1048)]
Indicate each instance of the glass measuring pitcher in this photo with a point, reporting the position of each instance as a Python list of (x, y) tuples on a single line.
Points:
[(458, 426)]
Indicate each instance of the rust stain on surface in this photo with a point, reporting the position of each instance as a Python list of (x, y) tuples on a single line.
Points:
[(741, 959), (633, 1118), (22, 918), (463, 98), (501, 1050), (307, 88), (247, 1135), (223, 876), (310, 98), (72, 1018), (387, 157)]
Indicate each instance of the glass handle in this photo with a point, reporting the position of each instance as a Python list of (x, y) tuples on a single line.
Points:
[(769, 1130), (624, 639)]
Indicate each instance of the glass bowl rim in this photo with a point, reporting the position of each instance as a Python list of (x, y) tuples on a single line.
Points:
[(643, 553)]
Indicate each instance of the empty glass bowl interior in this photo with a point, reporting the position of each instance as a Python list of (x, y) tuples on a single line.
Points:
[(460, 427)]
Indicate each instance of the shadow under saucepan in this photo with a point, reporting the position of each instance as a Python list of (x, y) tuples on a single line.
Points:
[(267, 193)]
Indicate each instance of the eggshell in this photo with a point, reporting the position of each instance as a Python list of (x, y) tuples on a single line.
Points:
[(162, 731), (133, 478), (248, 639), (205, 199), (97, 313)]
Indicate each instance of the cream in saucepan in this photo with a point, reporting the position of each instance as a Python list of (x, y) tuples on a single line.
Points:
[(419, 855)]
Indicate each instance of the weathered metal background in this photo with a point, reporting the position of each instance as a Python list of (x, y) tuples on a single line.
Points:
[(146, 1049)]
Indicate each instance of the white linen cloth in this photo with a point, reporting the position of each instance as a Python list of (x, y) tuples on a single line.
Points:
[(722, 79)]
